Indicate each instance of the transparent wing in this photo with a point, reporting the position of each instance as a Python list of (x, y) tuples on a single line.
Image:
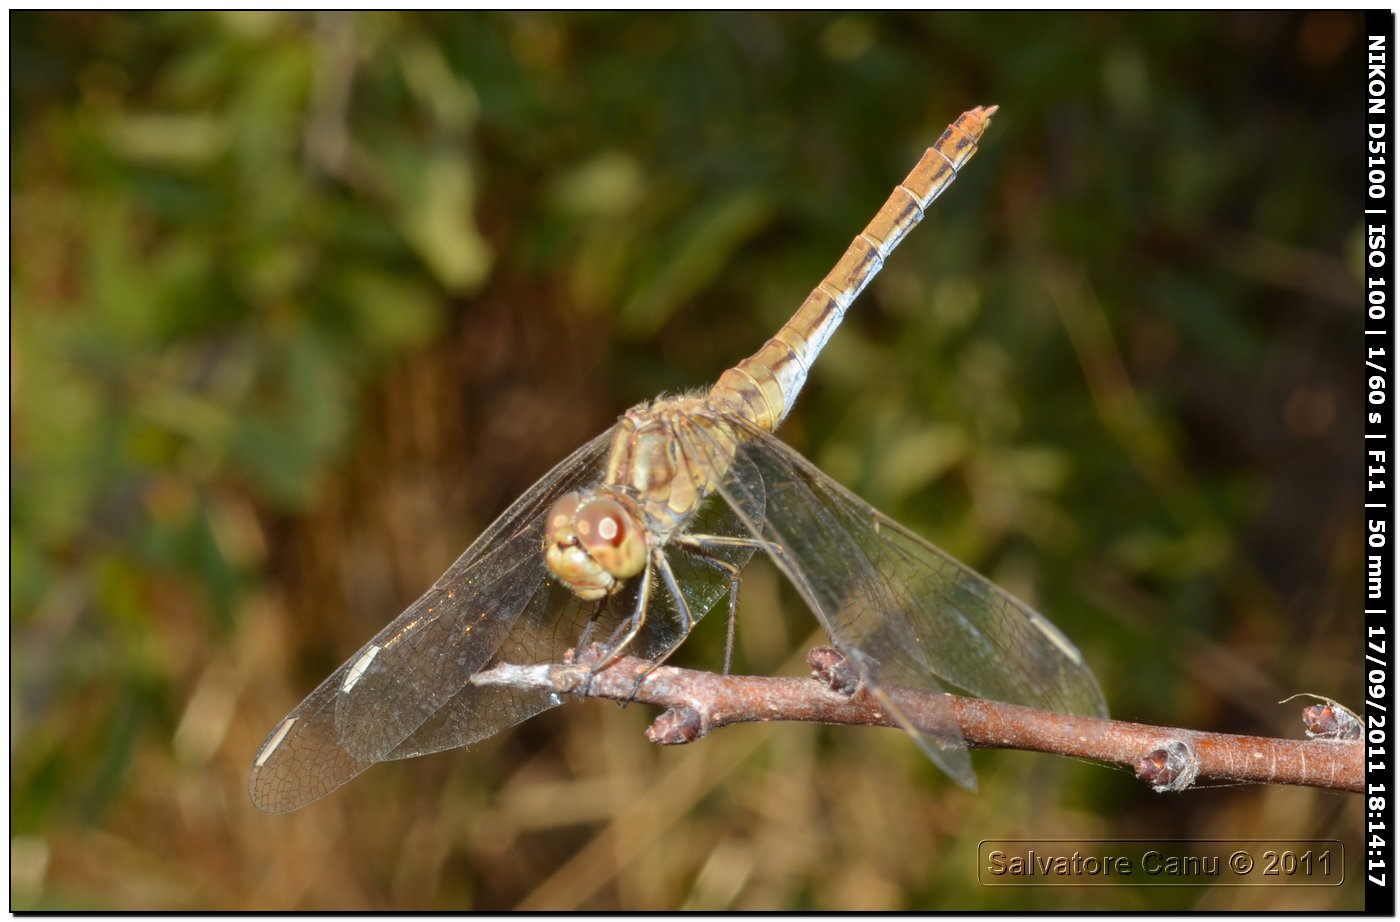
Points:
[(405, 692), (905, 612), (550, 624)]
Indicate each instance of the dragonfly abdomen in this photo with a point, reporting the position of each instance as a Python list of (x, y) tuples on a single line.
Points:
[(763, 387)]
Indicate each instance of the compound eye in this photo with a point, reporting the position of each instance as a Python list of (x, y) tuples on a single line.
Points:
[(561, 514), (603, 523), (611, 537)]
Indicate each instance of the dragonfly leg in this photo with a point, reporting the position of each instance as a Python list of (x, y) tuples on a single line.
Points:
[(626, 632), (733, 619), (700, 542), (634, 625), (704, 547), (697, 546), (682, 606), (687, 619)]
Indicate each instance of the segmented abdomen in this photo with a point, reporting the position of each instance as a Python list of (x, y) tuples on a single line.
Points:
[(763, 386)]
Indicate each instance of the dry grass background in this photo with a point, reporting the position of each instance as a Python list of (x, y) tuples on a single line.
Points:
[(301, 303)]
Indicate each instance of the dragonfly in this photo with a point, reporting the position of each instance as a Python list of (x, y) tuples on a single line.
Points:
[(643, 530)]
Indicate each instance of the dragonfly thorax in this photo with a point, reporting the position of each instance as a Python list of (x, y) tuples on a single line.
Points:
[(596, 539), (593, 542)]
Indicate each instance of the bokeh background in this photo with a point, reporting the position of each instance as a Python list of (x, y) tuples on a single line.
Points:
[(302, 302)]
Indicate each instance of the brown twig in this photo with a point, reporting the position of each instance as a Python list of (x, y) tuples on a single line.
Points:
[(1169, 759)]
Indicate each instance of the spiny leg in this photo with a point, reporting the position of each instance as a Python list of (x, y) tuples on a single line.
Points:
[(687, 620), (704, 548), (697, 549), (698, 543), (626, 632)]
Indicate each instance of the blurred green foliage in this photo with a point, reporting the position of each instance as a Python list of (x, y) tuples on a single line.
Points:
[(300, 302)]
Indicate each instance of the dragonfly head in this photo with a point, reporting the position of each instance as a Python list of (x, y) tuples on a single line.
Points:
[(593, 543)]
